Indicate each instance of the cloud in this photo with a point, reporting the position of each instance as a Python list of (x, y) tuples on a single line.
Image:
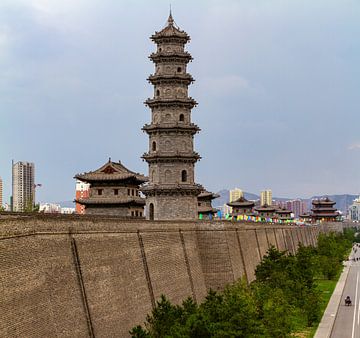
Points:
[(355, 146)]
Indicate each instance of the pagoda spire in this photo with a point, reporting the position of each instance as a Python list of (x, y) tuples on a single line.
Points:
[(170, 19)]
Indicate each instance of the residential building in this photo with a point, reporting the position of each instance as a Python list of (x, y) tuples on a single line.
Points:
[(67, 210), (23, 186), (50, 208), (235, 194), (266, 197), (354, 210), (82, 191)]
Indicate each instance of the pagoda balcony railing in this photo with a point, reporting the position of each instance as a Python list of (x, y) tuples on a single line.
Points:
[(187, 100), (168, 76), (170, 125), (182, 54), (171, 153)]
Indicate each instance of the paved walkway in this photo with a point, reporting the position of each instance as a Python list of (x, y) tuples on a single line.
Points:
[(326, 326)]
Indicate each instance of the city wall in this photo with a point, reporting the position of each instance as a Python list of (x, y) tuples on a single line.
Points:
[(98, 277)]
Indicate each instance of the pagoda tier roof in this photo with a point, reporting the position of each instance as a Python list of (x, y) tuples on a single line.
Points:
[(112, 201), (325, 215), (111, 171), (206, 195), (283, 211), (241, 202), (265, 207), (205, 209), (170, 31), (175, 77), (154, 127), (157, 102), (324, 201), (323, 209), (193, 189), (172, 155), (165, 56)]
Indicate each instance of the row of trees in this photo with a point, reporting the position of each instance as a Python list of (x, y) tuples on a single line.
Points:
[(283, 299)]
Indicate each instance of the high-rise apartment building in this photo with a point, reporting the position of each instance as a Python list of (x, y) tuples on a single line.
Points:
[(23, 186), (235, 194), (1, 192), (82, 192), (354, 210), (266, 197)]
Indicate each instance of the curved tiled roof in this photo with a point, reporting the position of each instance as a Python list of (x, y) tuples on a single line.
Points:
[(171, 30), (111, 171), (207, 195), (241, 202), (111, 200)]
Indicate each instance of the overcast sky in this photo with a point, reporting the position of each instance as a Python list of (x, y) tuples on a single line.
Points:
[(278, 86)]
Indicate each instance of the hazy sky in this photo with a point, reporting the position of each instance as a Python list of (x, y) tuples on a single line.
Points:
[(278, 86)]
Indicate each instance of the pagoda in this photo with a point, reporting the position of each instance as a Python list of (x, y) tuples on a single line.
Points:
[(323, 210), (171, 192), (114, 190)]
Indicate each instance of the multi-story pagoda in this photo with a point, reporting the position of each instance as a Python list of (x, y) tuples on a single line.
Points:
[(242, 206), (284, 214), (171, 192), (205, 209), (114, 190), (323, 210), (265, 211)]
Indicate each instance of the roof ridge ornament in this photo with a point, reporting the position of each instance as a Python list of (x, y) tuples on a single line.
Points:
[(170, 19)]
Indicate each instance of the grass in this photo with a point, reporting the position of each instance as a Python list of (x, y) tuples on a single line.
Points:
[(326, 288)]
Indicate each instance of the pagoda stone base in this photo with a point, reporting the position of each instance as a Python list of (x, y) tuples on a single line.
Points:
[(170, 207)]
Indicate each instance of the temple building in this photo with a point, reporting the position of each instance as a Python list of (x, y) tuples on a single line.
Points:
[(205, 209), (241, 206), (266, 211), (323, 210), (114, 190), (171, 192), (283, 214)]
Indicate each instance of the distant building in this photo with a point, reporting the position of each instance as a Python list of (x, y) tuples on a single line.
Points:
[(354, 210), (82, 191), (1, 192), (323, 210), (23, 186), (114, 190), (242, 206), (298, 207), (283, 214), (67, 211), (266, 197), (234, 195), (50, 208), (266, 211)]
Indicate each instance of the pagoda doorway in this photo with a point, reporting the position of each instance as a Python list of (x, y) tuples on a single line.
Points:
[(151, 212)]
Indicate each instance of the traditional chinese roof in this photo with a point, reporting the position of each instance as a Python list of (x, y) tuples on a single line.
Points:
[(171, 30), (241, 202), (323, 201), (207, 195), (111, 171), (283, 211), (112, 201), (265, 208)]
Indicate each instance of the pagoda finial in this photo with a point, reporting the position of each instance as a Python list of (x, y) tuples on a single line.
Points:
[(170, 19), (109, 159)]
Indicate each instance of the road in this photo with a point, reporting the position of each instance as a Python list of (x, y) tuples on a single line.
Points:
[(347, 321)]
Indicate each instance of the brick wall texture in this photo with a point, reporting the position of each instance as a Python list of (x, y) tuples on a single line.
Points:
[(98, 277)]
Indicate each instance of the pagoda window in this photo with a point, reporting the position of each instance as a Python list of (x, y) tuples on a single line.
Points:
[(132, 192), (116, 191), (132, 214), (181, 118), (184, 176), (153, 146), (100, 191), (140, 214), (151, 212), (137, 213), (128, 192), (179, 69), (157, 92)]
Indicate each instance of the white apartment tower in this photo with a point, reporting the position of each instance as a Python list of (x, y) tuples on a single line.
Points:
[(235, 194), (23, 185), (266, 197)]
